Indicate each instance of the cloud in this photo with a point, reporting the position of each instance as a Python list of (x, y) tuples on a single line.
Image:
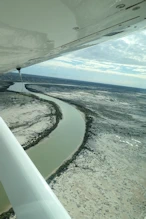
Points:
[(127, 50), (82, 64), (122, 58)]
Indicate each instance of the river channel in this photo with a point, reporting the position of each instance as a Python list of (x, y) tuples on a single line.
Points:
[(52, 151)]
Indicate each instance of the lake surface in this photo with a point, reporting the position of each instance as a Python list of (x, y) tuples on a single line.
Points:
[(52, 151)]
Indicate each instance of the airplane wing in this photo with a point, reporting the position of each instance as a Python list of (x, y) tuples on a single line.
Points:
[(35, 31)]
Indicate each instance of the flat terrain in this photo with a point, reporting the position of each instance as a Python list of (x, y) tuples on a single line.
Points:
[(107, 179), (29, 118)]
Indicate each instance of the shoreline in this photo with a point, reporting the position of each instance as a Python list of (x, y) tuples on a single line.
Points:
[(87, 135), (4, 85), (47, 131), (68, 161)]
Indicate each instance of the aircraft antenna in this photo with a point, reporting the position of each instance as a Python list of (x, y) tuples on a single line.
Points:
[(19, 71)]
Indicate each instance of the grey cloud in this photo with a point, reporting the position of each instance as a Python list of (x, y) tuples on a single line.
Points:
[(127, 50)]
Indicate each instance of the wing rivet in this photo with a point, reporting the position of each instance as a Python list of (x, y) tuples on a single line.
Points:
[(120, 6)]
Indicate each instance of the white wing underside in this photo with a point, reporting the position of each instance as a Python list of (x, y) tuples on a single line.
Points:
[(35, 31)]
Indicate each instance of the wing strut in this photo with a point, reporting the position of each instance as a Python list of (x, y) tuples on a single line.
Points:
[(28, 192)]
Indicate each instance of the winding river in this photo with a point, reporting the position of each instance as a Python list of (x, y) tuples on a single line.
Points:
[(52, 151)]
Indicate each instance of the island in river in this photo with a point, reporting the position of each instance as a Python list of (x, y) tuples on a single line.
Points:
[(29, 118)]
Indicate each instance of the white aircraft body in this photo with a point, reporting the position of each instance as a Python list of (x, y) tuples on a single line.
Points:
[(33, 31)]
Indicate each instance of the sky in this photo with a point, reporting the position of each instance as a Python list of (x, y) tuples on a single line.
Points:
[(121, 62)]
